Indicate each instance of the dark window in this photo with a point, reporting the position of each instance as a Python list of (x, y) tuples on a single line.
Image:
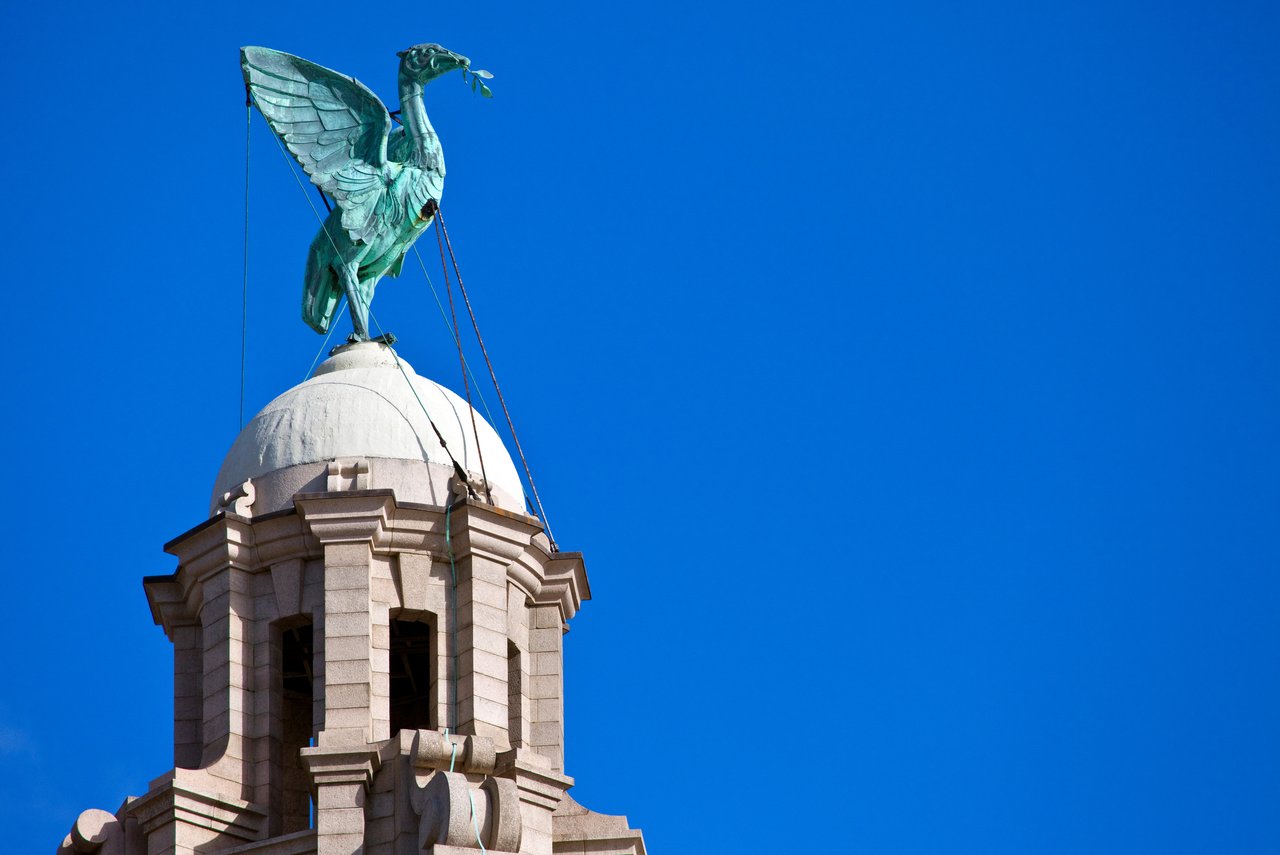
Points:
[(296, 710), (410, 662)]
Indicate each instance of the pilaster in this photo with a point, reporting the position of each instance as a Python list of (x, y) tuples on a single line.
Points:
[(348, 527), (341, 779)]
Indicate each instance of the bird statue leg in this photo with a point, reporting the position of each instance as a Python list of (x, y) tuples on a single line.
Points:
[(355, 300)]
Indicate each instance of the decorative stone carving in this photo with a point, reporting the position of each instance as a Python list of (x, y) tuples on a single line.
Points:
[(240, 500), (95, 831), (348, 475), (474, 486), (432, 750), (453, 812)]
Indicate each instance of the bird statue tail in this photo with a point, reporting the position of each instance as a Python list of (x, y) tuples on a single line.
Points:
[(320, 294)]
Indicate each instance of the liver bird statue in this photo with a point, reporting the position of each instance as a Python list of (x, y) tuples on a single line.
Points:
[(386, 183)]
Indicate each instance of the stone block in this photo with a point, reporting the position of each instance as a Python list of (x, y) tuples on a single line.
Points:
[(186, 636), (414, 574), (186, 684), (486, 639), (352, 624), (545, 663), (480, 591), (217, 631), (351, 647), (547, 617), (187, 707), (548, 709), (351, 577), (544, 686), (312, 597), (347, 695), (554, 755), (346, 718), (546, 733), (378, 834), (346, 600), (545, 640), (217, 680), (286, 581), (485, 686), (482, 662), (472, 709), (382, 804), (384, 591), (186, 731), (341, 821), (483, 614), (340, 797), (346, 671)]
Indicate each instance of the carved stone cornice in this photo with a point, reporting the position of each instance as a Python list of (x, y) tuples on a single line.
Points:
[(174, 800), (223, 541), (565, 584), (282, 536), (341, 764), (169, 607), (538, 784), (515, 541), (490, 532), (352, 516)]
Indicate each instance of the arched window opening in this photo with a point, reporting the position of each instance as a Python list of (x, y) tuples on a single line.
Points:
[(297, 691), (410, 665)]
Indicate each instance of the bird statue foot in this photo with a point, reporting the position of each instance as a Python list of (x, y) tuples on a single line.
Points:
[(386, 338)]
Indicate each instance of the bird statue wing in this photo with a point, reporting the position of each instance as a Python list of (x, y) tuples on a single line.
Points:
[(335, 128)]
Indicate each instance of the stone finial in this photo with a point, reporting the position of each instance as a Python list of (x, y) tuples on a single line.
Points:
[(474, 485), (94, 831), (240, 499)]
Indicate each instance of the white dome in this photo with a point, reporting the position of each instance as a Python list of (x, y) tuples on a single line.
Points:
[(360, 405)]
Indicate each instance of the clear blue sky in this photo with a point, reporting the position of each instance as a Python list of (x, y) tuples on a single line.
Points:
[(907, 372)]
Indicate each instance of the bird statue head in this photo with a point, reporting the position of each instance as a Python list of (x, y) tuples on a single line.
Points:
[(424, 63)]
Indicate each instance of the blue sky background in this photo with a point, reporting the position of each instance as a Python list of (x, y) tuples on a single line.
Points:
[(907, 372)]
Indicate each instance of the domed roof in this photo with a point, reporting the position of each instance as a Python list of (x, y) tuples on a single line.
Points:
[(359, 404)]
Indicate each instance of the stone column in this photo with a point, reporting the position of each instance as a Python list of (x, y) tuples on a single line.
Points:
[(482, 648), (547, 689), (188, 696), (226, 618), (341, 781), (341, 765)]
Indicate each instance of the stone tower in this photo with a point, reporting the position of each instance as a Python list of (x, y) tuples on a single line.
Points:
[(367, 649)]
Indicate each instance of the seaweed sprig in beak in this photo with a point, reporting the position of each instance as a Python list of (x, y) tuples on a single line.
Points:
[(478, 76)]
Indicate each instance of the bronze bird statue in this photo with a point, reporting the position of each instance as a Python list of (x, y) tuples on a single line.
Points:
[(386, 183)]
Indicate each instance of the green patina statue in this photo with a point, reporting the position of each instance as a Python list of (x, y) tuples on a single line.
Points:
[(386, 183)]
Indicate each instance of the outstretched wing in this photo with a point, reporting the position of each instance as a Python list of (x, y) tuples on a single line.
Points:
[(334, 126)]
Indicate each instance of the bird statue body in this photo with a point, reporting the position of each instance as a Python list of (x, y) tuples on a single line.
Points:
[(386, 184)]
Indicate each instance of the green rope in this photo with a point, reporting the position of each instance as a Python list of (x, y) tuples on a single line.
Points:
[(475, 820)]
